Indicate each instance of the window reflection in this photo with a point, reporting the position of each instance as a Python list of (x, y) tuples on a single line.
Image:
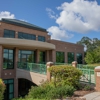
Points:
[(79, 58), (8, 59), (70, 57), (60, 57)]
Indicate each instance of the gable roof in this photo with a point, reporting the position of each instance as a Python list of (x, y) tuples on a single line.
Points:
[(22, 24)]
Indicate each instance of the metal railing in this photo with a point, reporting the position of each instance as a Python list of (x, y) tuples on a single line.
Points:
[(33, 67)]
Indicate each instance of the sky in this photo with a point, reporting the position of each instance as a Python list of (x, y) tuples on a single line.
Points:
[(65, 20)]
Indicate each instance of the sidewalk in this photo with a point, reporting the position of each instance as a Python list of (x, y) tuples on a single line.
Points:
[(92, 96)]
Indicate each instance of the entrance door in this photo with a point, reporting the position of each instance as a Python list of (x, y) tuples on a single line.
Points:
[(9, 92), (6, 93)]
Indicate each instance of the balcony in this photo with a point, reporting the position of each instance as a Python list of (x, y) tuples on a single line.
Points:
[(33, 67), (26, 44)]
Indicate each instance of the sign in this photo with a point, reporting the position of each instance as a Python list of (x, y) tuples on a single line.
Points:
[(98, 74)]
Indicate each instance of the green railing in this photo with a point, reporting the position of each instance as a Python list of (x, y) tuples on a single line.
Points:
[(62, 64), (88, 75), (85, 66), (33, 67)]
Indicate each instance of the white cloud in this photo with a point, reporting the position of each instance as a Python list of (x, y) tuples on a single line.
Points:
[(58, 33), (6, 14), (51, 13), (79, 16)]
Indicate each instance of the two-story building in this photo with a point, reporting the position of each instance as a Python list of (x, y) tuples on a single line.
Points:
[(24, 42)]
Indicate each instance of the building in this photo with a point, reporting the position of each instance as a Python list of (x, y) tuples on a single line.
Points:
[(24, 42)]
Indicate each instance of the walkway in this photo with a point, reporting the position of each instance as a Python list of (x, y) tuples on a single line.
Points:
[(92, 96)]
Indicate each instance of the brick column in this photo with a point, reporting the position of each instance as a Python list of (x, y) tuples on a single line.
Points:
[(49, 64), (15, 68), (74, 64), (75, 56), (97, 76), (37, 56), (66, 57), (15, 88), (1, 59), (53, 54), (47, 55)]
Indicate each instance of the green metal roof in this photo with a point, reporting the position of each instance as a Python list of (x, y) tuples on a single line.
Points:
[(22, 23)]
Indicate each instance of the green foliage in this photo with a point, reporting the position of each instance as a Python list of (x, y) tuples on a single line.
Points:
[(2, 88), (48, 92), (64, 74), (93, 57), (87, 87)]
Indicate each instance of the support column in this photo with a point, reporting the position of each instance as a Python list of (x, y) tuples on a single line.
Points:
[(97, 76), (47, 56), (1, 59), (15, 88), (65, 57), (49, 64), (53, 56), (37, 56), (15, 68), (75, 56)]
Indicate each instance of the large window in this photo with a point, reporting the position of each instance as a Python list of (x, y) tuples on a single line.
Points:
[(60, 57), (41, 38), (9, 33), (9, 92), (42, 57), (26, 56), (79, 58), (70, 57), (8, 59), (22, 35)]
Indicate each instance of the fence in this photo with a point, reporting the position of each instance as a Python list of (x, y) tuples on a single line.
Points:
[(33, 67)]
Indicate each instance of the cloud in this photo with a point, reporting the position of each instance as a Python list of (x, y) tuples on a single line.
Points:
[(6, 14), (51, 13), (79, 16), (58, 33)]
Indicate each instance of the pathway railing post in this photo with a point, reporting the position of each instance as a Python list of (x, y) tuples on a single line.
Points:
[(74, 64), (97, 76), (49, 64)]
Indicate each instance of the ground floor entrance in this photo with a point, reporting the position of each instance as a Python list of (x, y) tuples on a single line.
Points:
[(24, 86)]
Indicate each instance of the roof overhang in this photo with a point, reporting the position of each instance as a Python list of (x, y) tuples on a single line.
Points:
[(24, 43)]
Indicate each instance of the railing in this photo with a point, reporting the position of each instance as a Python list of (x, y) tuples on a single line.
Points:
[(33, 67), (85, 66), (62, 64), (88, 75)]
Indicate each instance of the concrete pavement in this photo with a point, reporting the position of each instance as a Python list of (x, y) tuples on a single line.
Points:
[(92, 96)]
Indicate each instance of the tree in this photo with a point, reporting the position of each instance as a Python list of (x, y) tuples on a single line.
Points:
[(89, 44), (93, 56), (2, 89)]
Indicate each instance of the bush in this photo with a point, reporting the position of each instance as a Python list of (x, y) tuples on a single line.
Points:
[(2, 88), (48, 92), (65, 75)]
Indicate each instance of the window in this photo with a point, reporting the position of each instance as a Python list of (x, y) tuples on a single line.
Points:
[(8, 59), (26, 56), (42, 57), (60, 57), (79, 58), (70, 57), (22, 35), (41, 38), (9, 33), (9, 92)]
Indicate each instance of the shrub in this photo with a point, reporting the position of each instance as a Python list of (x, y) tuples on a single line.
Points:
[(65, 75), (48, 92), (2, 88)]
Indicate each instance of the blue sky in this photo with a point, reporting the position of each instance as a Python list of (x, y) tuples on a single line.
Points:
[(66, 20)]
